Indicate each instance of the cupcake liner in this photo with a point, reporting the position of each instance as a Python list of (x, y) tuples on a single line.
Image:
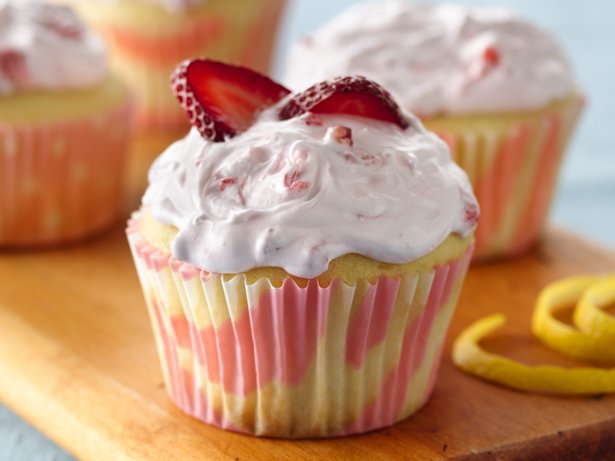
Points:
[(513, 168), (242, 33), (296, 360), (61, 181)]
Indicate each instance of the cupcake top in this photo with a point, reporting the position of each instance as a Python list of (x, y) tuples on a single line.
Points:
[(302, 184), (47, 47), (438, 59)]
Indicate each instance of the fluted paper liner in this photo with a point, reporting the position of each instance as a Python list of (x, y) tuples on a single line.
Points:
[(61, 181), (296, 361), (513, 170)]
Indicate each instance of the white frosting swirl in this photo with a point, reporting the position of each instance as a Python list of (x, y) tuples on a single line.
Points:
[(292, 194), (47, 47), (438, 58)]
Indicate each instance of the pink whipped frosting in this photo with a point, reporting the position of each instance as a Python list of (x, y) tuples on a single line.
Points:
[(47, 47), (441, 58), (298, 193)]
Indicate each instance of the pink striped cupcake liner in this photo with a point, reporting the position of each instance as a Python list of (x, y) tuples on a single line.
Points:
[(296, 360), (513, 169), (61, 181)]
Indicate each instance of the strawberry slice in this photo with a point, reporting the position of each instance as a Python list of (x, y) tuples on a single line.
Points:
[(222, 100), (347, 95)]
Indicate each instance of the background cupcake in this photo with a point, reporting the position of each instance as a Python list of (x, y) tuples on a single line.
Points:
[(64, 125), (148, 38), (497, 88), (301, 271)]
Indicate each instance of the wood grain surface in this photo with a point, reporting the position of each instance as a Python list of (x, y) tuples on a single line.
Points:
[(78, 360)]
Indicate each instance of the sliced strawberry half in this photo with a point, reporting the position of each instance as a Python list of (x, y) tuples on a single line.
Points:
[(347, 95), (222, 100)]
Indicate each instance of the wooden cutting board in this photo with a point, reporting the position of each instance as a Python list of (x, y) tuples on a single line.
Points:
[(78, 360)]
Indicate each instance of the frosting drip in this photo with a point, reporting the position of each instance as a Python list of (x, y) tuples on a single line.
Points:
[(438, 58)]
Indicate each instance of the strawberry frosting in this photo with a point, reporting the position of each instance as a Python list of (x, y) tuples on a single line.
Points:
[(47, 47), (438, 58), (298, 193)]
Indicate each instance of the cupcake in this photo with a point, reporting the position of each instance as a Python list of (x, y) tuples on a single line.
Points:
[(301, 255), (63, 128), (148, 38), (498, 89)]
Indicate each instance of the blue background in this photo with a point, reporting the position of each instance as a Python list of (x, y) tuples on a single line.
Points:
[(585, 200)]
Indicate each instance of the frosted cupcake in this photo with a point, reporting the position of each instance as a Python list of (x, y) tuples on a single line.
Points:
[(64, 123), (498, 89), (301, 255), (148, 38)]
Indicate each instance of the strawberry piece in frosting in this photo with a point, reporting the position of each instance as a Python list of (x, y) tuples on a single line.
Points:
[(471, 213), (491, 56), (340, 134), (293, 183), (13, 67)]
